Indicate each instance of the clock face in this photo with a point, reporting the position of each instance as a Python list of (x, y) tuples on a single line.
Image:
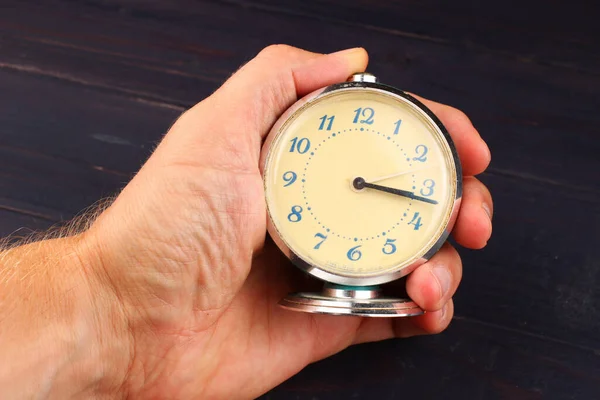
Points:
[(359, 183)]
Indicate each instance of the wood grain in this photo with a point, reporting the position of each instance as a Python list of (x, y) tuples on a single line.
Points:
[(560, 34), (469, 361), (509, 100), (89, 87)]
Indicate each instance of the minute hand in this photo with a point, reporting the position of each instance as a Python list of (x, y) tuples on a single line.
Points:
[(399, 192)]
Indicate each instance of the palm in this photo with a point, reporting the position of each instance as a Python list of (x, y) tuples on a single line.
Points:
[(240, 325), (266, 343), (239, 322)]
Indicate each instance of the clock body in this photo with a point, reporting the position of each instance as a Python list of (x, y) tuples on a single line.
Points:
[(362, 183)]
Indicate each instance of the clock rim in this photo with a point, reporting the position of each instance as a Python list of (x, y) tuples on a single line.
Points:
[(317, 271)]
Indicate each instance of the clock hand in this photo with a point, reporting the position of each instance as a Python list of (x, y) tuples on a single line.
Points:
[(382, 178), (359, 183)]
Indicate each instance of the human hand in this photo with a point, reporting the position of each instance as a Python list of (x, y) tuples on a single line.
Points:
[(182, 249)]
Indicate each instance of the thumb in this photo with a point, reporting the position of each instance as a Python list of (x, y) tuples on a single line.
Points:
[(266, 86), (235, 119)]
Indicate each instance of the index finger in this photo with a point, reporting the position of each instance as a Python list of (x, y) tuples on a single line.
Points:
[(472, 150)]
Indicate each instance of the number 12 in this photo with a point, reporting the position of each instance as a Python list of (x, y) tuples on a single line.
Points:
[(367, 113)]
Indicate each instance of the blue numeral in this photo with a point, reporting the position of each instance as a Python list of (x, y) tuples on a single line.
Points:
[(354, 253), (389, 247), (301, 145), (421, 149), (367, 113), (295, 215), (429, 184), (320, 236), (289, 177), (397, 123), (325, 118), (416, 221)]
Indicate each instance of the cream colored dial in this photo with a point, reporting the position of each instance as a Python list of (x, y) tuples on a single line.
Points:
[(360, 183)]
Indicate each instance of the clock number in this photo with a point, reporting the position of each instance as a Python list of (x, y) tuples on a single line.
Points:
[(320, 236), (295, 215), (289, 177), (397, 124), (367, 114), (416, 221), (301, 145), (325, 118), (389, 247), (429, 184), (421, 151), (354, 253)]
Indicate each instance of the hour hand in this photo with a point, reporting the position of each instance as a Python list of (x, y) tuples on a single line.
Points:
[(360, 183)]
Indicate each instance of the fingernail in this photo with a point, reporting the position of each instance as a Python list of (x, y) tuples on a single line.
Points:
[(488, 153), (443, 276), (349, 51), (443, 313), (487, 210)]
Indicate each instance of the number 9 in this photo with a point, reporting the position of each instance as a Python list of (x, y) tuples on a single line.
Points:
[(289, 177)]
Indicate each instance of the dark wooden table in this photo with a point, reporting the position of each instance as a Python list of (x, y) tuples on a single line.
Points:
[(88, 87)]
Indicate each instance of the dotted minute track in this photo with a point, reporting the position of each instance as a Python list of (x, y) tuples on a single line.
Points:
[(309, 208)]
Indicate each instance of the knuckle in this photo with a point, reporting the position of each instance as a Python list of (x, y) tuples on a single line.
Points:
[(276, 50), (487, 195), (452, 252), (455, 263), (471, 183), (461, 115), (457, 115)]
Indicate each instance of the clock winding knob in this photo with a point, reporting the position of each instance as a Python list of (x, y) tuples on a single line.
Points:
[(363, 77)]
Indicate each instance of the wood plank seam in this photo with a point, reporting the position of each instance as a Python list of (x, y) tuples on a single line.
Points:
[(593, 350), (155, 100), (395, 32), (145, 97)]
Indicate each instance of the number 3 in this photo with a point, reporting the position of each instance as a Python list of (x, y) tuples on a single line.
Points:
[(429, 184)]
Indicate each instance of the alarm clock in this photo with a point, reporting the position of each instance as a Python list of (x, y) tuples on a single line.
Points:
[(362, 185)]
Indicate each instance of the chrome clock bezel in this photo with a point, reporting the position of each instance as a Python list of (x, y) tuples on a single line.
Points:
[(387, 276)]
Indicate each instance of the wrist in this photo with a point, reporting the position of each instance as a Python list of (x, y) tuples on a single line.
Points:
[(60, 326), (105, 319)]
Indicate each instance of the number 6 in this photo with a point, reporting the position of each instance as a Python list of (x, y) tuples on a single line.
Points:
[(354, 254)]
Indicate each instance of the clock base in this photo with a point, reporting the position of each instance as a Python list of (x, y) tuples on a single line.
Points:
[(351, 300)]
